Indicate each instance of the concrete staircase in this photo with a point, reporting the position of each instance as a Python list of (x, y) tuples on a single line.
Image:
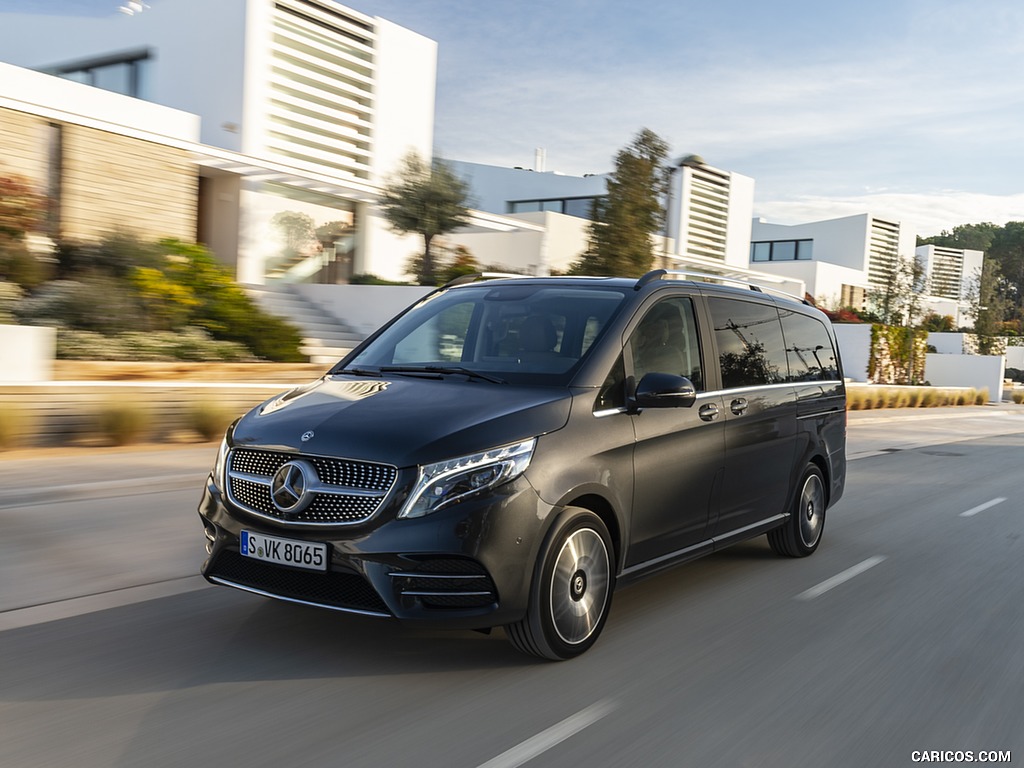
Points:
[(325, 337)]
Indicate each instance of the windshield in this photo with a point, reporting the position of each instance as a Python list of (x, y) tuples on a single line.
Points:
[(523, 334)]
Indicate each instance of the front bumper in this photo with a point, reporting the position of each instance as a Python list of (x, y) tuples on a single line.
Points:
[(468, 566)]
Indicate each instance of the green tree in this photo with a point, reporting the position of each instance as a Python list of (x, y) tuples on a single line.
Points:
[(988, 306), (1007, 250), (427, 200), (973, 237), (631, 213)]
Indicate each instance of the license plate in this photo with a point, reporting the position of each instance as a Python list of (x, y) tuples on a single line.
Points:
[(298, 554)]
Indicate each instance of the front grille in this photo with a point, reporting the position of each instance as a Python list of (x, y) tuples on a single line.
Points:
[(446, 583), (342, 591), (346, 491)]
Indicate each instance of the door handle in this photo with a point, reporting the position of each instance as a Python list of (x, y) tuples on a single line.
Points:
[(708, 412), (739, 405)]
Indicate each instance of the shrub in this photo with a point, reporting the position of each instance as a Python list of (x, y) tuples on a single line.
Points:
[(209, 420), (224, 310), (122, 423), (11, 424), (193, 345), (981, 396), (929, 398), (368, 279), (10, 295), (855, 399), (1018, 397)]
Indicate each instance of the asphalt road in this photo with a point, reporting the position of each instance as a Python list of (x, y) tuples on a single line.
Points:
[(903, 633)]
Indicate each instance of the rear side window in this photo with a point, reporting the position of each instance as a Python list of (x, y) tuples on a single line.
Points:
[(751, 348), (812, 357)]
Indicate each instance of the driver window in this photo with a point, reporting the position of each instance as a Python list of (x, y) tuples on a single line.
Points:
[(665, 341)]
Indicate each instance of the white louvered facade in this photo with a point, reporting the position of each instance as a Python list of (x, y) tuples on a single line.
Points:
[(709, 212), (883, 252), (320, 100)]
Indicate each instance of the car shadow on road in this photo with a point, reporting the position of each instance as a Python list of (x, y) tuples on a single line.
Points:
[(218, 635)]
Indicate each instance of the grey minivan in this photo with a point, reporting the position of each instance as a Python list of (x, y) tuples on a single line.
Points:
[(506, 452)]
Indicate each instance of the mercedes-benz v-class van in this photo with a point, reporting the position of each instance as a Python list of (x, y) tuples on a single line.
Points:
[(506, 452)]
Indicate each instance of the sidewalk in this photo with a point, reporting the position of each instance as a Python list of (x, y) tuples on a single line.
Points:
[(877, 432), (59, 474)]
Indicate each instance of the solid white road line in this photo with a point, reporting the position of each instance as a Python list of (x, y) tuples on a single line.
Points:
[(840, 578), (982, 507), (556, 734), (78, 606)]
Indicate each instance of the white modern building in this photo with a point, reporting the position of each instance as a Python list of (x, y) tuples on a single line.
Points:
[(952, 276), (547, 214), (840, 260), (306, 106)]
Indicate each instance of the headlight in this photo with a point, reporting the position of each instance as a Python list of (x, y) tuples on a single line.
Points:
[(220, 464), (443, 484)]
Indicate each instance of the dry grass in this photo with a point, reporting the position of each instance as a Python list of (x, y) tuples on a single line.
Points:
[(122, 423), (863, 398)]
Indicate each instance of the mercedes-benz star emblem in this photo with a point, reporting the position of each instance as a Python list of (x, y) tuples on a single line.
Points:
[(290, 487), (307, 436)]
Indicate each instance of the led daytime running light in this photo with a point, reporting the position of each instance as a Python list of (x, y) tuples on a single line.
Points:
[(446, 482)]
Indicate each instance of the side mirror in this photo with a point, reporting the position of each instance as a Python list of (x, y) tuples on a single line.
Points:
[(665, 390)]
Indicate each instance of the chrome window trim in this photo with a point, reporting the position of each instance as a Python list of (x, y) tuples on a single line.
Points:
[(786, 384)]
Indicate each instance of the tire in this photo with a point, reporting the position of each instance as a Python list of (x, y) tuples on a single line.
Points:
[(800, 535), (571, 591)]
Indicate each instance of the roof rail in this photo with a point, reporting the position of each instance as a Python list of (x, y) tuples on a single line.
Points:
[(462, 279), (658, 274)]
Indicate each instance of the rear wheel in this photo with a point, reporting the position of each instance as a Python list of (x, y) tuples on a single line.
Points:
[(571, 591), (799, 536)]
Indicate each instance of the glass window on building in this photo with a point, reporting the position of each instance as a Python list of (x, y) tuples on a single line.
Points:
[(299, 236), (115, 77), (784, 250), (581, 207), (804, 250), (760, 251), (524, 206)]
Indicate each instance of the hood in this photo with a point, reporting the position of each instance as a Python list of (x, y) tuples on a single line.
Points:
[(405, 420)]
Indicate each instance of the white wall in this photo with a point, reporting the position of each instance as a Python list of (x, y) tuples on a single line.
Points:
[(1015, 358), (26, 353), (535, 252), (33, 92), (854, 349), (493, 186), (738, 226), (843, 241), (403, 97), (978, 371), (363, 307), (947, 343)]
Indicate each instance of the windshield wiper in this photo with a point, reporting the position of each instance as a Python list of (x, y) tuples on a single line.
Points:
[(356, 372), (443, 370)]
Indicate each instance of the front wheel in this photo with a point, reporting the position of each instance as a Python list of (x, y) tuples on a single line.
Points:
[(800, 535), (571, 591)]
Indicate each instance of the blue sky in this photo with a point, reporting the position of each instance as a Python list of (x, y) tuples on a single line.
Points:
[(909, 109)]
